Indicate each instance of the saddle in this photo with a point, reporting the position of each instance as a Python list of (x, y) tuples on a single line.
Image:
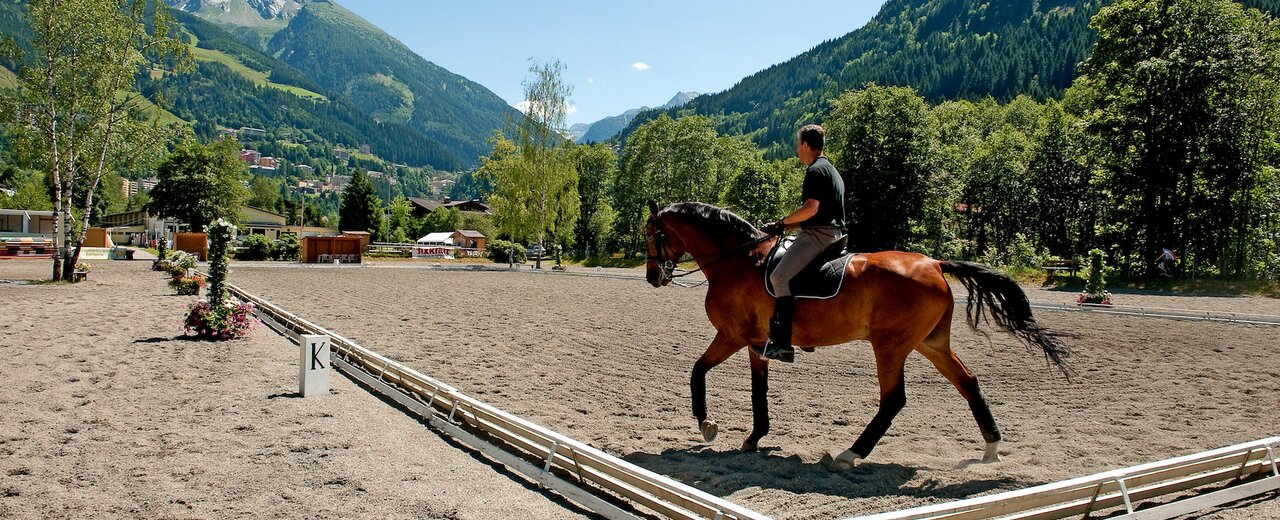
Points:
[(821, 280)]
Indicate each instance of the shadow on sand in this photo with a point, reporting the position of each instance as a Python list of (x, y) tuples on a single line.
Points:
[(722, 473)]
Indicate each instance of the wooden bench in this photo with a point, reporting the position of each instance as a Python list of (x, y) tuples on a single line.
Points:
[(1058, 265)]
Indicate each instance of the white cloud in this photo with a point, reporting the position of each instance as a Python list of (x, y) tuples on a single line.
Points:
[(525, 105), (590, 80), (640, 65)]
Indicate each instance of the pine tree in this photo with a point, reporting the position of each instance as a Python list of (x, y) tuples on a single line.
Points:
[(361, 208)]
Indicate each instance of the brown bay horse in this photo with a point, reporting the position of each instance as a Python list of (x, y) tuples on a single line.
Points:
[(899, 302)]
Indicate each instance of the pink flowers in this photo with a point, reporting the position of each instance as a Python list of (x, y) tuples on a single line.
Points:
[(224, 322), (1103, 298)]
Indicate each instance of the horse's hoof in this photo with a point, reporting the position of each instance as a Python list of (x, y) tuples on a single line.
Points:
[(709, 430), (993, 454), (748, 446), (846, 460)]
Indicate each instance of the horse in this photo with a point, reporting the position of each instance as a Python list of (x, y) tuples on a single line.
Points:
[(899, 302)]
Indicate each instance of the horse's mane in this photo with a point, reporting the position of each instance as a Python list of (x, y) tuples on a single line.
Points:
[(714, 220)]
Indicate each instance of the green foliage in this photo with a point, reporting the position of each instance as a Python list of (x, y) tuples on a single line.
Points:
[(535, 181), (401, 222), (254, 247), (756, 193), (1097, 283), (265, 193), (29, 191), (219, 232), (1183, 98), (673, 160), (361, 208), (199, 183), (597, 167), (286, 248), (881, 139), (504, 252), (441, 220), (69, 118)]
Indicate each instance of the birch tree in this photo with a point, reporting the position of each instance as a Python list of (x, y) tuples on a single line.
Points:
[(536, 185), (75, 114)]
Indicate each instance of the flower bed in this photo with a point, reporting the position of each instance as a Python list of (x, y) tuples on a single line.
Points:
[(227, 321), (1103, 298), (187, 285)]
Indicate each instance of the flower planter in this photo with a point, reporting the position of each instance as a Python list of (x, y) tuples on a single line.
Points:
[(79, 276)]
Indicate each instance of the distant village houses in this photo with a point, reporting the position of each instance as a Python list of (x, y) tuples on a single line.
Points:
[(423, 207)]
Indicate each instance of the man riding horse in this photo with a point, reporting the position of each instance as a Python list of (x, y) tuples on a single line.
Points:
[(821, 221)]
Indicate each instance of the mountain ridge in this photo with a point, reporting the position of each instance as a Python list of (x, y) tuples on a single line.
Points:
[(606, 128)]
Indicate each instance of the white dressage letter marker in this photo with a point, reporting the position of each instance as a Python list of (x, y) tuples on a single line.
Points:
[(313, 367)]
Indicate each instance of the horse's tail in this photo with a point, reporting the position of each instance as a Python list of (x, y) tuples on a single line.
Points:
[(1008, 306)]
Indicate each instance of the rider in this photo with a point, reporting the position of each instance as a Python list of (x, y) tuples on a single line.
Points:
[(821, 221)]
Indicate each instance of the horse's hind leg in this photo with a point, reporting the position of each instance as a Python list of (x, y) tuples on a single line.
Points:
[(954, 370), (720, 349)]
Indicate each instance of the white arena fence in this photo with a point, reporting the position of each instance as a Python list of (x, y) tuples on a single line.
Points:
[(1251, 467), (573, 469), (615, 488)]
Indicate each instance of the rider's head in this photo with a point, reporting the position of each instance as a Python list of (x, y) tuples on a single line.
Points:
[(809, 142)]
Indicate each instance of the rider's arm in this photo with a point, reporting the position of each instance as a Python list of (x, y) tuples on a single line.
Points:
[(806, 212)]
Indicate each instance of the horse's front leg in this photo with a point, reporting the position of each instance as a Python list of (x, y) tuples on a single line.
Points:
[(721, 348), (759, 402)]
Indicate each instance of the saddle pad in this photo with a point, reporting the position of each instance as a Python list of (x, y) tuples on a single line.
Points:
[(821, 280)]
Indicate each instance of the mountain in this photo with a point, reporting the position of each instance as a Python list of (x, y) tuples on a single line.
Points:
[(234, 85), (356, 60), (606, 128), (348, 55), (252, 21)]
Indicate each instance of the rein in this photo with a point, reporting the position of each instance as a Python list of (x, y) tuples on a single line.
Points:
[(669, 266)]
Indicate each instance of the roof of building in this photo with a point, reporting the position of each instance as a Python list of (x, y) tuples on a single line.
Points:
[(431, 205), (437, 238), (470, 233)]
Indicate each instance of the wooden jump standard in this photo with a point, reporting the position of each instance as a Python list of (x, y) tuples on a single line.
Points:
[(573, 469)]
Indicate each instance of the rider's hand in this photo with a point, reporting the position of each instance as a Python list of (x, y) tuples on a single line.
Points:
[(773, 228)]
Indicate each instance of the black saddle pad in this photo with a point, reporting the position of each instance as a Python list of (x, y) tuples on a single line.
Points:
[(821, 280)]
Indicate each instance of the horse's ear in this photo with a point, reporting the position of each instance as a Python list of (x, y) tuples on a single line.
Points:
[(653, 207)]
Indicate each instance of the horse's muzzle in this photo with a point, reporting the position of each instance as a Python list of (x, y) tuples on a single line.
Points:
[(655, 278)]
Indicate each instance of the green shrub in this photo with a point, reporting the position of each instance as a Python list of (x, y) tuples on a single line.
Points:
[(504, 252), (287, 248), (254, 247)]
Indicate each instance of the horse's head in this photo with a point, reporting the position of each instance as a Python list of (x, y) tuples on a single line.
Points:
[(662, 250)]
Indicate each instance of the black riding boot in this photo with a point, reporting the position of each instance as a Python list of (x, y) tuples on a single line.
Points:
[(779, 345)]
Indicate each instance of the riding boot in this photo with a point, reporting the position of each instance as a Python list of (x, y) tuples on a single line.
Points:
[(779, 345)]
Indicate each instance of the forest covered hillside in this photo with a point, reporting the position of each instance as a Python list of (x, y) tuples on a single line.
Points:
[(381, 76), (944, 49)]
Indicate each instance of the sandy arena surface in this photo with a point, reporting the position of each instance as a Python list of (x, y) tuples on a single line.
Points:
[(106, 413), (112, 415)]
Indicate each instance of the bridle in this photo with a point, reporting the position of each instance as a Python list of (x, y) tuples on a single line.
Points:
[(668, 265)]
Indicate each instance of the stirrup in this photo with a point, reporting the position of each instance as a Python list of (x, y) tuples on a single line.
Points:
[(770, 350)]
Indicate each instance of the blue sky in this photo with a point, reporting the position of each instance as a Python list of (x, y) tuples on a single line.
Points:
[(619, 56)]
